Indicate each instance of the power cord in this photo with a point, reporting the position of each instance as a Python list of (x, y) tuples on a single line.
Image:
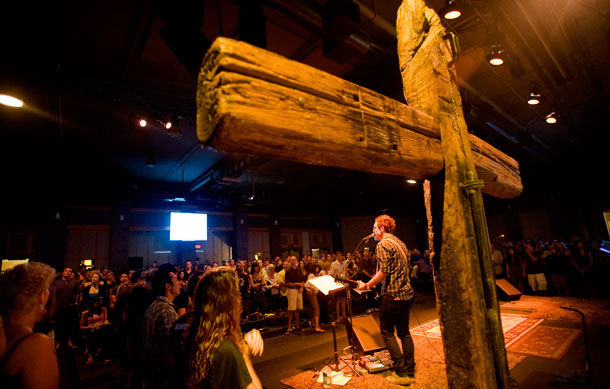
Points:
[(431, 345)]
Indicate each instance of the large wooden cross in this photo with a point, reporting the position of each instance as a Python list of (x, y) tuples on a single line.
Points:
[(256, 102)]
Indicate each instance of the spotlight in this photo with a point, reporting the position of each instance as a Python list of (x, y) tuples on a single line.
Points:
[(535, 96), (142, 123), (551, 118), (173, 127), (11, 101), (411, 182), (451, 11), (496, 57)]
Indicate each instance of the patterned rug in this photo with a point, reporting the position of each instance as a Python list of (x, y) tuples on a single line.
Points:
[(514, 326), (546, 342)]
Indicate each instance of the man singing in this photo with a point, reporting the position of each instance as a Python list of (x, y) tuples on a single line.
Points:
[(397, 298)]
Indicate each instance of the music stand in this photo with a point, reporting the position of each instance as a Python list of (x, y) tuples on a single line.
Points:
[(328, 285)]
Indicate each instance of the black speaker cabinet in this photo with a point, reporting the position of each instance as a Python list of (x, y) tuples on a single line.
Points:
[(507, 291), (368, 335)]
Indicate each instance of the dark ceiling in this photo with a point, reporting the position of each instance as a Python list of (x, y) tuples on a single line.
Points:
[(87, 71)]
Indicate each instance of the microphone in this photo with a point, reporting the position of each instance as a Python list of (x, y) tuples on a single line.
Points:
[(368, 236)]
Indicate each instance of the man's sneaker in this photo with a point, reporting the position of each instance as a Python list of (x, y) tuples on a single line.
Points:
[(398, 380)]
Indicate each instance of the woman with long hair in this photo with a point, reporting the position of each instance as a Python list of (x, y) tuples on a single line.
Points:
[(219, 356), (92, 290), (29, 359), (311, 293)]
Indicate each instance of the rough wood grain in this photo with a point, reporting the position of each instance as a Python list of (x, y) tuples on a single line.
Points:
[(469, 320), (246, 94)]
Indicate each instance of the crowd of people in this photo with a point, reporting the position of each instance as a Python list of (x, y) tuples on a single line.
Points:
[(181, 326), (564, 267)]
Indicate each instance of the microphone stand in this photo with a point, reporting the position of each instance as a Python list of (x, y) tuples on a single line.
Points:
[(350, 317)]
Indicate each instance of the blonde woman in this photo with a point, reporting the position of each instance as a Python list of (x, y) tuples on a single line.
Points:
[(24, 292), (219, 356)]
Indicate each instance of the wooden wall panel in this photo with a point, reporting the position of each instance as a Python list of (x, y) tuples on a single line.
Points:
[(258, 242), (87, 242)]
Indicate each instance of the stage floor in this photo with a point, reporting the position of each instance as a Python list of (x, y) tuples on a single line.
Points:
[(289, 355)]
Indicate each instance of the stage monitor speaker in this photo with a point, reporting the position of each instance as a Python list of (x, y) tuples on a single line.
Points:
[(507, 290), (368, 335), (135, 263)]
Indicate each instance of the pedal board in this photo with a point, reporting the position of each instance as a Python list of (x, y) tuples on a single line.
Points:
[(375, 367), (379, 361), (384, 357)]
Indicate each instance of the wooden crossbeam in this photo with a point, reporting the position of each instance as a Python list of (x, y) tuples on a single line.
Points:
[(253, 101)]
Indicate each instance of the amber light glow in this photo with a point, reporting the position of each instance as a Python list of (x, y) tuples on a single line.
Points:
[(11, 101), (453, 15)]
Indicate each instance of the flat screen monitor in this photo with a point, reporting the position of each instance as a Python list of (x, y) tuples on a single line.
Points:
[(188, 226)]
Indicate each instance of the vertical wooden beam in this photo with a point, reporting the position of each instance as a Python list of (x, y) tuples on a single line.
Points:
[(470, 329)]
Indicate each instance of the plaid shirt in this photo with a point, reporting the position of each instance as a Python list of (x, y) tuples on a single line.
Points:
[(158, 321), (392, 262)]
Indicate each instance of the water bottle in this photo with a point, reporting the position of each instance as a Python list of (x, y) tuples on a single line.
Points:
[(326, 381)]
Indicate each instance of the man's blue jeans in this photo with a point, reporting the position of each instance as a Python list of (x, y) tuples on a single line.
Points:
[(394, 314)]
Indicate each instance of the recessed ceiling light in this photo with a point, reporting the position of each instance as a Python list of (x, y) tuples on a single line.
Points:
[(11, 101), (411, 182), (142, 123), (496, 57), (451, 11), (551, 118), (535, 97)]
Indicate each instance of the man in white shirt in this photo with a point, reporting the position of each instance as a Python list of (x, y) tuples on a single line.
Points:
[(337, 270)]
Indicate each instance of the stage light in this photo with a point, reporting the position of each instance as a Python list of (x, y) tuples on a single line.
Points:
[(142, 123), (11, 101), (411, 182), (173, 127), (496, 57), (451, 11), (535, 97), (551, 118)]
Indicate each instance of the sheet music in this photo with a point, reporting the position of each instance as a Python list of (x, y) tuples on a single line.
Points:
[(360, 291), (326, 284)]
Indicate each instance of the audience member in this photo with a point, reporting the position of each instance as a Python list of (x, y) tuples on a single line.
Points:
[(582, 264), (534, 269), (338, 270), (188, 270), (94, 324), (559, 262), (515, 268), (311, 293), (66, 316), (294, 283), (278, 264), (273, 288), (243, 278), (91, 290), (29, 359), (257, 283), (219, 356), (179, 330), (158, 321), (498, 261), (139, 299)]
